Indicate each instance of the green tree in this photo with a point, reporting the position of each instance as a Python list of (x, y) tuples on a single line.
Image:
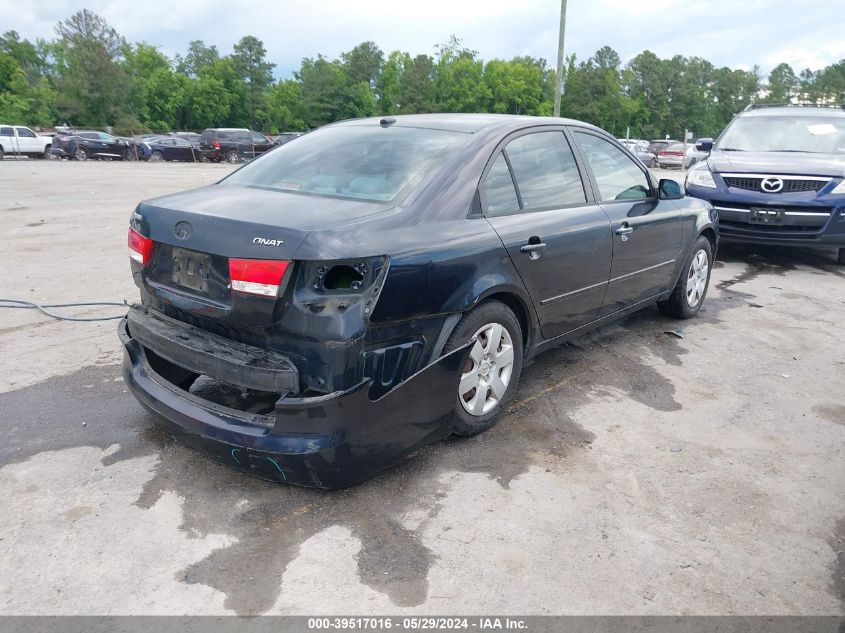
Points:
[(363, 63), (322, 84), (459, 85), (26, 93), (250, 62), (783, 84), (417, 91), (198, 57), (594, 92), (390, 82), (284, 108), (91, 83), (516, 86)]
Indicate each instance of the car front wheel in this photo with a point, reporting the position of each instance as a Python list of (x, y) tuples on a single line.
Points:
[(232, 157), (81, 153), (492, 368), (156, 156), (688, 295)]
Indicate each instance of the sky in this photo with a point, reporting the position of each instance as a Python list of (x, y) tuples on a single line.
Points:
[(735, 33)]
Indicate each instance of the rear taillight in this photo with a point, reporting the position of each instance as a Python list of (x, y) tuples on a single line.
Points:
[(257, 276), (140, 247), (216, 145)]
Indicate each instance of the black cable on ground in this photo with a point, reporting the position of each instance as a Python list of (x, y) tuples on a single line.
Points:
[(18, 303)]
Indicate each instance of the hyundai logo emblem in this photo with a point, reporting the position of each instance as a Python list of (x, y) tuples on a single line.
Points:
[(182, 230), (771, 185)]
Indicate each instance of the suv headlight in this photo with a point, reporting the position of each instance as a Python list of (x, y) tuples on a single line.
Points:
[(700, 176), (840, 188)]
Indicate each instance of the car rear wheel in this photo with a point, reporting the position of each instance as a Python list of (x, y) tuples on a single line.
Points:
[(2, 154), (48, 153), (492, 369), (232, 157), (688, 295), (156, 156), (81, 153)]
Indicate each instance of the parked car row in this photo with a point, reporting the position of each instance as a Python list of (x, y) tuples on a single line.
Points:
[(232, 145), (641, 149)]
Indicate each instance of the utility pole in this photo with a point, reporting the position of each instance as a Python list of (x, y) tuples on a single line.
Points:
[(559, 77)]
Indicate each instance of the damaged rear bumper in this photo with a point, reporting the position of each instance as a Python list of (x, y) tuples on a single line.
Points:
[(330, 441)]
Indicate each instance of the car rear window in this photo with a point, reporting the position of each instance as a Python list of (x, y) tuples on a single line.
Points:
[(358, 162)]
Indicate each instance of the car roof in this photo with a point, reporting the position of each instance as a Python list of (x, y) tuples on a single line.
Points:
[(812, 111), (467, 123)]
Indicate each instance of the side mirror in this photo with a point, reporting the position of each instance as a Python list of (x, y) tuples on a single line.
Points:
[(704, 145), (670, 189)]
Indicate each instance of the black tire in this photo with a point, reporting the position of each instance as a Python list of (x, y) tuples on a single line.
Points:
[(48, 153), (489, 312), (232, 157), (80, 153), (2, 154), (130, 154), (156, 156), (840, 258), (678, 305)]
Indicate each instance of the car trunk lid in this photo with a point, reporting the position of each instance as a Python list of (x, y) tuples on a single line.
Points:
[(205, 239)]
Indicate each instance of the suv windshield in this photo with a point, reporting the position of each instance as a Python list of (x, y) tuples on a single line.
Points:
[(359, 162), (788, 133)]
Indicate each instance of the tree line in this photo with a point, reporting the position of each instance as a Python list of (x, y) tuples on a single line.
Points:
[(90, 76)]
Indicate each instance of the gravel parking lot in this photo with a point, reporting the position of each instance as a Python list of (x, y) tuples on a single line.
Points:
[(653, 467)]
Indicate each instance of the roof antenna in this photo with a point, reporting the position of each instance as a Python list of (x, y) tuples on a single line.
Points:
[(387, 121)]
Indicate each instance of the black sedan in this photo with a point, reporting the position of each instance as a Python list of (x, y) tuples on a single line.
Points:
[(172, 148), (378, 285)]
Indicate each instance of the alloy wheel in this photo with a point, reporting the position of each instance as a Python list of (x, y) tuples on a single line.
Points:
[(697, 278), (488, 370)]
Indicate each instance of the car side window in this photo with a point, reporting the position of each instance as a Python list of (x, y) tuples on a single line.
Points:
[(499, 192), (90, 135), (545, 171), (259, 138), (6, 131), (617, 176), (25, 132), (107, 137)]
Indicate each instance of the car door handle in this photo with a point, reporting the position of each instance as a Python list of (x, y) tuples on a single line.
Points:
[(539, 247), (533, 248), (625, 230)]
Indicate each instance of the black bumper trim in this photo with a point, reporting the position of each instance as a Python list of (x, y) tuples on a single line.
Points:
[(331, 441), (202, 352)]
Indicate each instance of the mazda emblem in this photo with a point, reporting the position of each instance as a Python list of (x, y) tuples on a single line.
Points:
[(771, 185)]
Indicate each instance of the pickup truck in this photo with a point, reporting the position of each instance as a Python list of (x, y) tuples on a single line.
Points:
[(21, 141)]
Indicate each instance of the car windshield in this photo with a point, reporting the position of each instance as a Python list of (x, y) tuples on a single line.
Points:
[(789, 133), (359, 162)]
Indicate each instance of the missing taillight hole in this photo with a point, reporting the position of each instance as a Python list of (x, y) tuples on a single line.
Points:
[(342, 278)]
